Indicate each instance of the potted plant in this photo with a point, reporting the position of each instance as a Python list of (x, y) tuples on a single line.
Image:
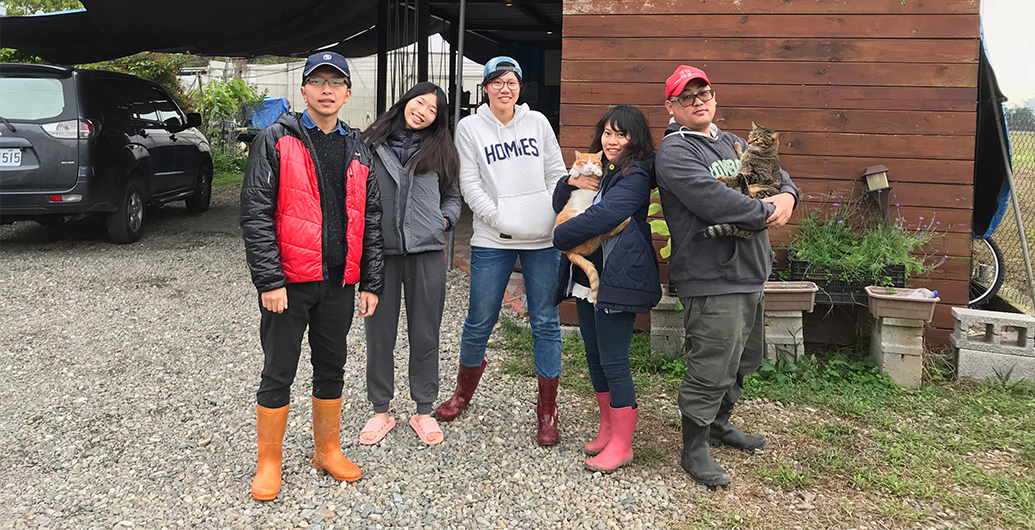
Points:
[(845, 250)]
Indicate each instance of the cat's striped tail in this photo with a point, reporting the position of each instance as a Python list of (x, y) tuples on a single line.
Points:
[(724, 230)]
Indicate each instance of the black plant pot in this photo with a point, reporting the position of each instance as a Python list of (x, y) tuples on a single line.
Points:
[(833, 289)]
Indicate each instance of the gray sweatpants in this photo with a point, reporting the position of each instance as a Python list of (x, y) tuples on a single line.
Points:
[(423, 276), (726, 337)]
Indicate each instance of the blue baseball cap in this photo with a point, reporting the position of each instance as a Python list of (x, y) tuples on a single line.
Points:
[(502, 64), (319, 59)]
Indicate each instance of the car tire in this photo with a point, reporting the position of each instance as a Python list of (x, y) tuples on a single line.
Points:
[(127, 223), (199, 201)]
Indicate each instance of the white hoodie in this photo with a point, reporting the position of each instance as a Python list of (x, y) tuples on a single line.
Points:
[(507, 176)]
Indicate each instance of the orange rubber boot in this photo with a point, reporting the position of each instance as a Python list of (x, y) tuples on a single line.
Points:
[(327, 435), (270, 424)]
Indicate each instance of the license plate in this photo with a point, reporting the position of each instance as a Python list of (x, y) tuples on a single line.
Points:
[(10, 157)]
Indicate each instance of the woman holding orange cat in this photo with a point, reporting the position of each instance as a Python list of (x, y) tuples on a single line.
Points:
[(627, 269)]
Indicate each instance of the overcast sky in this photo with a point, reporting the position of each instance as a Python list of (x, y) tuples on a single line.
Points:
[(1010, 36)]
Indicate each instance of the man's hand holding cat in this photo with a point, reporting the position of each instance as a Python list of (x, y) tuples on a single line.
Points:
[(584, 182), (784, 203)]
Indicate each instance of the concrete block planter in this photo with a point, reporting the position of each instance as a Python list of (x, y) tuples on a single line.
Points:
[(783, 336), (667, 334), (994, 344), (897, 345)]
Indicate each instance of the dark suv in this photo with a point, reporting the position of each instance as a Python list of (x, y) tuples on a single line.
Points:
[(82, 142)]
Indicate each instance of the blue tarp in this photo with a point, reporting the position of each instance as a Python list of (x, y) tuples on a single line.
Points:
[(271, 109)]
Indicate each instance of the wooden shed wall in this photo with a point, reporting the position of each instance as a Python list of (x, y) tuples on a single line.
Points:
[(848, 83)]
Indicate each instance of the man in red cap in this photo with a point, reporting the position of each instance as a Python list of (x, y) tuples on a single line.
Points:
[(719, 280)]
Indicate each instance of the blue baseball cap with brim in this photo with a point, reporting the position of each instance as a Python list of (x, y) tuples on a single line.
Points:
[(319, 59), (502, 64)]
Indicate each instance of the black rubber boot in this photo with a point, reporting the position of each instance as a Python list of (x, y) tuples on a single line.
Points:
[(697, 459), (724, 433)]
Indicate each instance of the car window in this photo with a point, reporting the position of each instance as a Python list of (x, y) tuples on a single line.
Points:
[(31, 98), (141, 101), (108, 98), (166, 107)]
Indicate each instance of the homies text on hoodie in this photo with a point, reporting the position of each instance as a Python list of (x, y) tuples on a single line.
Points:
[(503, 151)]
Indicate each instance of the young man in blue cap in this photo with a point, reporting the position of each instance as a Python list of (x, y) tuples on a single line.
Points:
[(311, 221)]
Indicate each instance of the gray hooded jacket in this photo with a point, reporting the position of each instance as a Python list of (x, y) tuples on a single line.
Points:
[(414, 205), (687, 165)]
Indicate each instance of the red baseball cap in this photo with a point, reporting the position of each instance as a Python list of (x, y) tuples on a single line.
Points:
[(683, 75)]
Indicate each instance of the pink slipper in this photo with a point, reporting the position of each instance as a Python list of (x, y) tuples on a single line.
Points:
[(379, 427), (424, 428)]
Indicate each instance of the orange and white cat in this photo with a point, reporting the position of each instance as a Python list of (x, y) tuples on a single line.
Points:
[(587, 165)]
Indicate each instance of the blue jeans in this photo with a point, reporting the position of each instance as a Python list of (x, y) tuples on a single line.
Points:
[(607, 337), (490, 273)]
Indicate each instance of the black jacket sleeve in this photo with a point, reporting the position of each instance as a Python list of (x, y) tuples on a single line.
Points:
[(372, 264), (561, 194), (258, 203)]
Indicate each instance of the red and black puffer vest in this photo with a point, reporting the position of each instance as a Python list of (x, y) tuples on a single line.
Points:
[(299, 219)]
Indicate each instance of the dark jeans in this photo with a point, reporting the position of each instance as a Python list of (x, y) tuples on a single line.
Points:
[(607, 337), (326, 308), (727, 342), (423, 278)]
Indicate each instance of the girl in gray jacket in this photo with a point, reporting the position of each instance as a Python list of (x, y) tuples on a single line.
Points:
[(417, 170)]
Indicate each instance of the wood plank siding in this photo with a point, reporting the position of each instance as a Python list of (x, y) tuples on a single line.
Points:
[(848, 84)]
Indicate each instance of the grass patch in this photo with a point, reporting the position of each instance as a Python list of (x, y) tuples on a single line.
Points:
[(648, 371), (517, 340), (785, 476), (227, 179), (895, 453), (932, 443), (1022, 145)]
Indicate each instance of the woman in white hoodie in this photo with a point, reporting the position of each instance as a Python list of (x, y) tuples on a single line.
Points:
[(510, 163)]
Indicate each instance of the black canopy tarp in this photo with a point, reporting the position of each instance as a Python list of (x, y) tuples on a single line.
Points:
[(108, 29)]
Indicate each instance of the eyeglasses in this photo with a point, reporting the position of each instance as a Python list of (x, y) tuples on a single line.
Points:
[(688, 100), (319, 81), (498, 84)]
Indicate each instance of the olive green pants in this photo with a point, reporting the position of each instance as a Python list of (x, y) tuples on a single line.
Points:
[(726, 341)]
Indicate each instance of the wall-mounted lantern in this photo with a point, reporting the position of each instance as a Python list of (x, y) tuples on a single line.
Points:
[(877, 188)]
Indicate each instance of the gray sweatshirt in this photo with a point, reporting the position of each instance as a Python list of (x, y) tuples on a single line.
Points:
[(687, 165)]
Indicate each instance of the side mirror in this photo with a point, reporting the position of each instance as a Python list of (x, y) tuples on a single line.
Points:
[(193, 119), (173, 125)]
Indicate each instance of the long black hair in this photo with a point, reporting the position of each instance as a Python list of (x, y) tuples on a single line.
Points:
[(437, 152), (629, 120)]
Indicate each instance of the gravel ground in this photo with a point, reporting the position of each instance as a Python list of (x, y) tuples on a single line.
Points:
[(127, 386)]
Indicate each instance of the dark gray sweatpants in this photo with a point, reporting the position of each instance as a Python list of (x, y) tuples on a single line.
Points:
[(423, 277), (726, 337)]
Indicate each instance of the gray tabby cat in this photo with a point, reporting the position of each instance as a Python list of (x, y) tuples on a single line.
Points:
[(758, 177)]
